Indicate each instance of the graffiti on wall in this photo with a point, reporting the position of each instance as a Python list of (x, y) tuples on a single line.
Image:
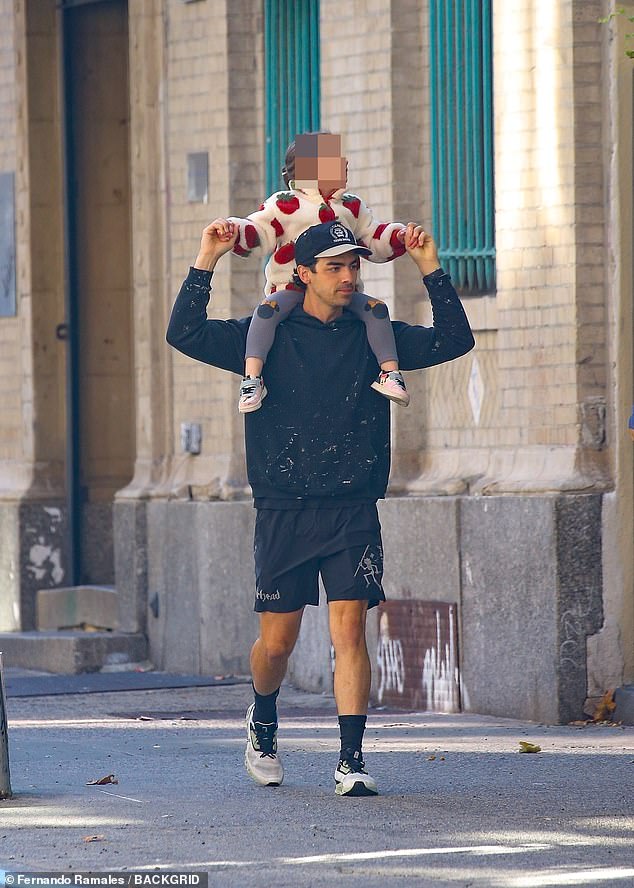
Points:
[(417, 656), (44, 563), (390, 661)]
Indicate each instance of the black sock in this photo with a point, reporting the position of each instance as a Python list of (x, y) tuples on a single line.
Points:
[(351, 728), (265, 710)]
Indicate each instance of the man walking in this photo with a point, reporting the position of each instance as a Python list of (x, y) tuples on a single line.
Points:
[(318, 459)]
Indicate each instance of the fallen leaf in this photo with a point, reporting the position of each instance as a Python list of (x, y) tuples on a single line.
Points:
[(605, 707), (94, 838), (431, 758), (525, 746), (109, 778)]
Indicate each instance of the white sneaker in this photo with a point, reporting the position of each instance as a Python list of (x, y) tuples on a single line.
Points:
[(261, 759), (351, 778), (252, 393)]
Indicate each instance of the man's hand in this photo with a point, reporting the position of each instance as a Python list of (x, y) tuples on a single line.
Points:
[(217, 239), (421, 247)]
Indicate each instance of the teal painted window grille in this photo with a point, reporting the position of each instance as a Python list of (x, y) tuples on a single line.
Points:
[(291, 58), (461, 129)]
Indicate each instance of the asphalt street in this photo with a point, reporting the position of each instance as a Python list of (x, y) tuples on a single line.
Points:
[(459, 804)]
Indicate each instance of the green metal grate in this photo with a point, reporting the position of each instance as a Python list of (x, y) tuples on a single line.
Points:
[(462, 140), (291, 52)]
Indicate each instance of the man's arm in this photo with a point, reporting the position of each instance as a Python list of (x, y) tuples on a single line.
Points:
[(451, 336), (220, 343)]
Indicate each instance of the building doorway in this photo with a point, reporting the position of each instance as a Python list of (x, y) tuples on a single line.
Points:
[(100, 398)]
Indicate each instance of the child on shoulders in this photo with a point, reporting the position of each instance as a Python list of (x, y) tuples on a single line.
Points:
[(315, 174)]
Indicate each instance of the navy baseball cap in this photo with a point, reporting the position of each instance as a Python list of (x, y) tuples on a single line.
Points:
[(327, 239)]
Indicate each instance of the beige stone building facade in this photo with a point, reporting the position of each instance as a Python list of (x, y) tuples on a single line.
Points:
[(512, 483)]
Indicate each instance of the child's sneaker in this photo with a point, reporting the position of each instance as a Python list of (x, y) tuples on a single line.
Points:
[(392, 385), (252, 393)]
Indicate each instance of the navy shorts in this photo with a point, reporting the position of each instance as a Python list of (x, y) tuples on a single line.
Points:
[(293, 547)]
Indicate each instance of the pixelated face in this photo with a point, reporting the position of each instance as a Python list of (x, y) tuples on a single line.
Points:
[(318, 162)]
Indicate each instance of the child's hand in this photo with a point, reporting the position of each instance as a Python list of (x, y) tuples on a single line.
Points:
[(421, 247), (400, 235), (223, 228), (217, 238)]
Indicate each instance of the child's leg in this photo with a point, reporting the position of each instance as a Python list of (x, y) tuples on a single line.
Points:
[(270, 312), (376, 317), (253, 366)]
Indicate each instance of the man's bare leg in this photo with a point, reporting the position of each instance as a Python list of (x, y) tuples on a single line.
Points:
[(270, 653), (352, 692), (352, 663)]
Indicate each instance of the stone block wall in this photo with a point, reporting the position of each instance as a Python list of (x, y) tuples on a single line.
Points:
[(200, 586), (523, 575)]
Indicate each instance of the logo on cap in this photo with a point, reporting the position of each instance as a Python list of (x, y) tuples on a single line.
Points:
[(338, 232)]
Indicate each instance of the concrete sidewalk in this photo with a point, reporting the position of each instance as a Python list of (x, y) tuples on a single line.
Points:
[(458, 806)]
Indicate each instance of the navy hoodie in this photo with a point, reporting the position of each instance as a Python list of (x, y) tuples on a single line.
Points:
[(322, 435)]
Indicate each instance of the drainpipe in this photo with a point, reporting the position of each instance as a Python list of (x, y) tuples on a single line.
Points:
[(68, 330)]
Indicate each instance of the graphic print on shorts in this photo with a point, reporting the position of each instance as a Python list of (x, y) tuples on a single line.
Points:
[(370, 566), (261, 595)]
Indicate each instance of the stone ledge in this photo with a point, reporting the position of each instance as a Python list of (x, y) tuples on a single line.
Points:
[(71, 652), (70, 607)]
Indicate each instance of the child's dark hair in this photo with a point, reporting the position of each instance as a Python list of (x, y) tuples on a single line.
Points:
[(288, 170)]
